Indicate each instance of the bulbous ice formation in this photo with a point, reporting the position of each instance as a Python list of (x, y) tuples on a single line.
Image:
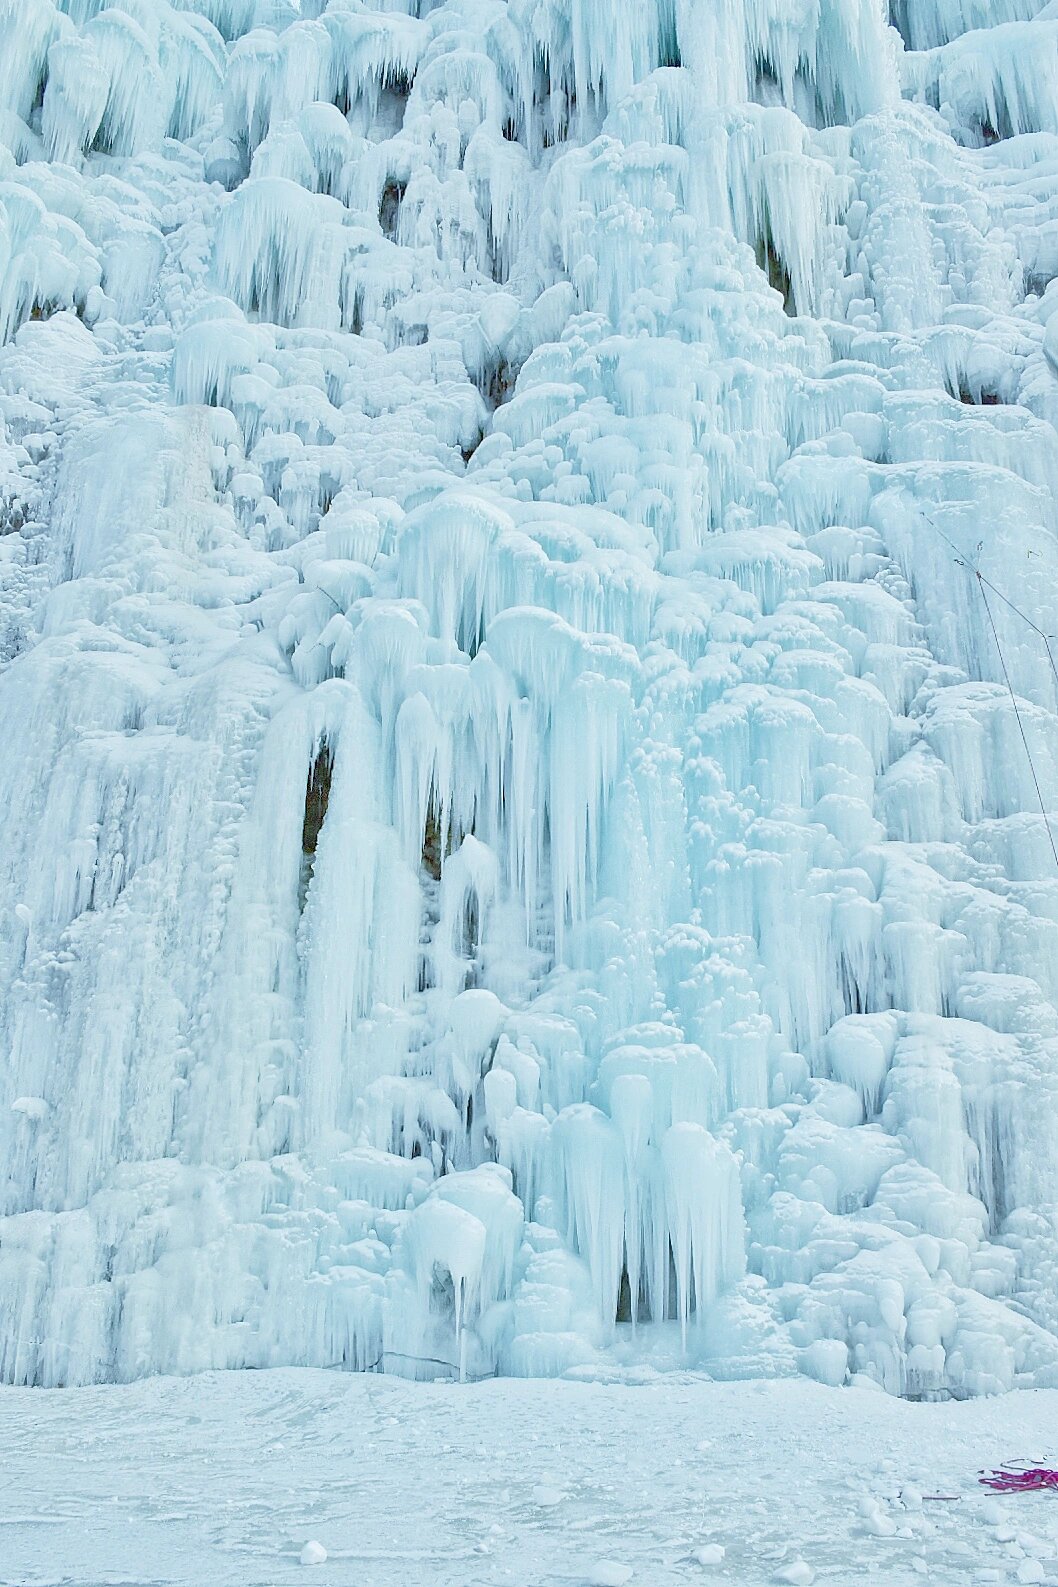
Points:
[(532, 772)]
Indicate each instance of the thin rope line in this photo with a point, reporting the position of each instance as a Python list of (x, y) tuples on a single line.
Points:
[(42, 1345), (964, 562), (1025, 618), (435, 1361), (1017, 713), (982, 582)]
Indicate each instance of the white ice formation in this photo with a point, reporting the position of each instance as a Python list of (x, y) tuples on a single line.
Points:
[(523, 827)]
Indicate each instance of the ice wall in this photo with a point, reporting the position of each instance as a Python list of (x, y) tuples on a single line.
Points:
[(531, 769)]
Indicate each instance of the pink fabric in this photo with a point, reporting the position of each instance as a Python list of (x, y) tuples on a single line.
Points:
[(1025, 1480)]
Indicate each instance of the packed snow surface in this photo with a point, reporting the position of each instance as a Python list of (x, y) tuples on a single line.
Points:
[(299, 1478), (530, 755)]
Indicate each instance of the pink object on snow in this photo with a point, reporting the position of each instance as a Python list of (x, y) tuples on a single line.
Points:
[(1025, 1479)]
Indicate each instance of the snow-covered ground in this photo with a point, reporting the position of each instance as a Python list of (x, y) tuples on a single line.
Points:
[(221, 1481)]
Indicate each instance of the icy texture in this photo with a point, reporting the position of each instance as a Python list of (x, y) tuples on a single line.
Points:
[(520, 848), (513, 1481)]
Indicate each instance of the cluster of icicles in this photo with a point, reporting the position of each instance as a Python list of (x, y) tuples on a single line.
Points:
[(530, 847)]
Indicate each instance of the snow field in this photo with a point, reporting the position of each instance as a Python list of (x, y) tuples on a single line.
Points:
[(244, 1478)]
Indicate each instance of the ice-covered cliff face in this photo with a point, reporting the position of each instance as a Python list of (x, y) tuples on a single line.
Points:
[(522, 826)]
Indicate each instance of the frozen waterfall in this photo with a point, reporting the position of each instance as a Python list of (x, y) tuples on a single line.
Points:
[(528, 689)]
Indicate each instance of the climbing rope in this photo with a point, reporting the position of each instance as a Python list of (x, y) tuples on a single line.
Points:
[(434, 1361), (1021, 724), (983, 585)]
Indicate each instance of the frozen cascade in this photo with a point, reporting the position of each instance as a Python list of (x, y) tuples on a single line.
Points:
[(520, 847)]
